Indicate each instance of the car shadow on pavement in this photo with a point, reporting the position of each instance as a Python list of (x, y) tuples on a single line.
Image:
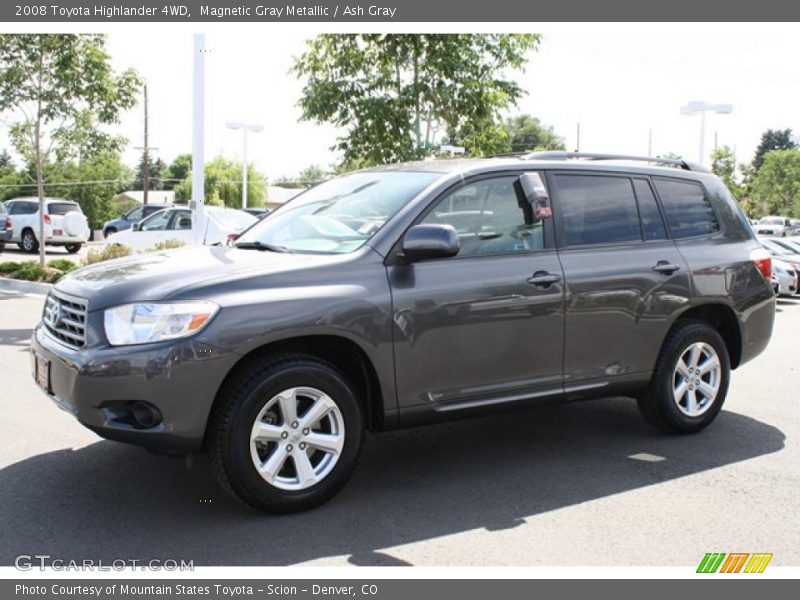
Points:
[(16, 337), (110, 501)]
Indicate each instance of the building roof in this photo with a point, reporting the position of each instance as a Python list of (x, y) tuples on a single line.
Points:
[(154, 196)]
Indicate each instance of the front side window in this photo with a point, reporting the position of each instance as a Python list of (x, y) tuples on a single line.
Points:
[(24, 208), (157, 222), (489, 218), (339, 215), (597, 209), (182, 220), (689, 212)]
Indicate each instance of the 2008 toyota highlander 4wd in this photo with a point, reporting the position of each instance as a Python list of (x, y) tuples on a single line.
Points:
[(408, 294)]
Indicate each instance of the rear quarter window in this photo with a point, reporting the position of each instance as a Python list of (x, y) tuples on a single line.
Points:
[(687, 208)]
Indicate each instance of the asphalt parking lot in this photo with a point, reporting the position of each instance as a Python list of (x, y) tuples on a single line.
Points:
[(581, 484)]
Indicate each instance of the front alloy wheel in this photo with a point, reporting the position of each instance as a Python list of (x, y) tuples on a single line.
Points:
[(297, 438), (286, 432)]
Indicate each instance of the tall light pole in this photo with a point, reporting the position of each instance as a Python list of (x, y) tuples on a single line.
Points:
[(198, 131), (245, 127), (701, 107)]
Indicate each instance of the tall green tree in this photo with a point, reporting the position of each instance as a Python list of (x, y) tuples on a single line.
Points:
[(58, 89), (775, 187), (179, 169), (394, 93), (529, 133), (157, 169), (773, 139), (723, 165), (223, 185)]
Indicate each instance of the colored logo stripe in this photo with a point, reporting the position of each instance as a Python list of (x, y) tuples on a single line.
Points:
[(717, 562)]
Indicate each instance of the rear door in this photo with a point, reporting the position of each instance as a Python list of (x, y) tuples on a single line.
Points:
[(56, 212), (624, 278)]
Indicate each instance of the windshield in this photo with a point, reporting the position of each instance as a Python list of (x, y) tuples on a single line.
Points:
[(339, 215), (771, 221), (235, 220)]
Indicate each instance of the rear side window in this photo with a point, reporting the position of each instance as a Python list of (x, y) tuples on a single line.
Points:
[(652, 223), (24, 208), (62, 208), (2, 208), (689, 212), (598, 209)]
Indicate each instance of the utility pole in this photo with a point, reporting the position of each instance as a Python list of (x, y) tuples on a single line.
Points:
[(578, 146), (146, 150), (650, 142)]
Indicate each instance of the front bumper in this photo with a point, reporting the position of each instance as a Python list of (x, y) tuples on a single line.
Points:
[(99, 384)]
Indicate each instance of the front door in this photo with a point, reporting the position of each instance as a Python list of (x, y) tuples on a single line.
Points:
[(485, 326)]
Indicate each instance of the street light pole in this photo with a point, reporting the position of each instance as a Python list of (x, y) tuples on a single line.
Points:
[(701, 107), (246, 128)]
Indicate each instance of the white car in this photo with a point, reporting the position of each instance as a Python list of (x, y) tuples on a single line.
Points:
[(222, 225), (64, 223), (786, 276), (773, 226)]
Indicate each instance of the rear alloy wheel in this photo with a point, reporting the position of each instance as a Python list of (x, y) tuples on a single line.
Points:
[(289, 434), (29, 243), (73, 248), (690, 381)]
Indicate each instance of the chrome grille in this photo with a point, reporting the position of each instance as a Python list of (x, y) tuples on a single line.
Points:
[(65, 319)]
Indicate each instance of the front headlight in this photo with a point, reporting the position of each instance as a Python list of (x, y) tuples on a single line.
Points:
[(155, 322)]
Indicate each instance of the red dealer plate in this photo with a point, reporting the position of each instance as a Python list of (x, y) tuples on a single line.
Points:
[(43, 373)]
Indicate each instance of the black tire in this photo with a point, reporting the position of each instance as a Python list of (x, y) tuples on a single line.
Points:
[(73, 248), (241, 401), (656, 403), (29, 243), (2, 246), (109, 231)]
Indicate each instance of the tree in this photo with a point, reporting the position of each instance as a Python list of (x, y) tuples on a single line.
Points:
[(59, 87), (105, 176), (11, 180), (528, 133), (723, 165), (178, 170), (394, 93), (773, 139), (775, 188), (156, 171), (5, 160), (223, 185)]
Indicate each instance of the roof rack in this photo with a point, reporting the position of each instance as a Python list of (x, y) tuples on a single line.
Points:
[(564, 155)]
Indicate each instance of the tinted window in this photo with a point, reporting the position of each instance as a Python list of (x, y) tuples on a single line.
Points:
[(652, 223), (182, 219), (24, 208), (488, 218), (157, 222), (149, 210), (135, 214), (62, 208), (598, 209), (688, 211)]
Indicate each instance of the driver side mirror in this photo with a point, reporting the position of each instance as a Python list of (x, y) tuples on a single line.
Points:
[(536, 194), (137, 227), (430, 241)]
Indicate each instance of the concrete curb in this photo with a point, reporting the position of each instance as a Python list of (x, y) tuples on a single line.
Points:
[(24, 287)]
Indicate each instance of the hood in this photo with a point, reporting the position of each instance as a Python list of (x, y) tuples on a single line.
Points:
[(155, 276)]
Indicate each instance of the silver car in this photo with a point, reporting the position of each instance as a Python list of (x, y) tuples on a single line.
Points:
[(786, 277)]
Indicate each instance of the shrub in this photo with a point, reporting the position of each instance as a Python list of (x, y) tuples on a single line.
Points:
[(28, 271), (62, 264), (9, 267), (166, 245), (108, 252)]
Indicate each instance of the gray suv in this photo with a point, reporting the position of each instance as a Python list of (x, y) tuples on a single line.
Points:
[(410, 294)]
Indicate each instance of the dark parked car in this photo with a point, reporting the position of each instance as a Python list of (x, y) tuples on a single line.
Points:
[(6, 227), (134, 215), (411, 294)]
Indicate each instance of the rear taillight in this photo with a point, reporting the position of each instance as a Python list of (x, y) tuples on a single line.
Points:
[(232, 237), (47, 219), (8, 223), (762, 259)]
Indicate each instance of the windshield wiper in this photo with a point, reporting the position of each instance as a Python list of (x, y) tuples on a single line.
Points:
[(263, 246)]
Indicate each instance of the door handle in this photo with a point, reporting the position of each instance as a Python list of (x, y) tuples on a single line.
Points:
[(665, 267), (543, 278)]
